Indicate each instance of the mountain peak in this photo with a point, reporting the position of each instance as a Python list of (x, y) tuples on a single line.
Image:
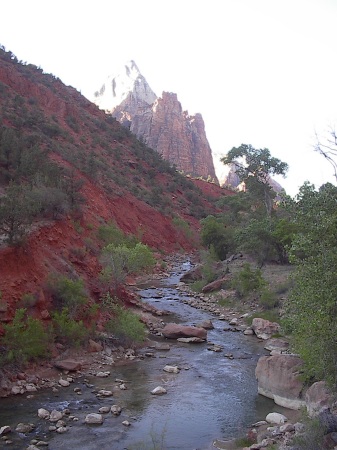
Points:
[(127, 80)]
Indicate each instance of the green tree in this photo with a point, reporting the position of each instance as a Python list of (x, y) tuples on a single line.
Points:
[(255, 167), (312, 307), (216, 236), (17, 212)]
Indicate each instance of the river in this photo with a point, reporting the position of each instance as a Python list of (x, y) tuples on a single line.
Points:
[(212, 397)]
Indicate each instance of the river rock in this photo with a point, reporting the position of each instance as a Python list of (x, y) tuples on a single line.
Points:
[(207, 324), (5, 430), (43, 413), (94, 418), (264, 329), (277, 344), (248, 331), (159, 390), (30, 387), (214, 348), (104, 393), (104, 410), (278, 378), (116, 410), (126, 423), (55, 416), (317, 397), (63, 383), (192, 275), (215, 285), (94, 347), (103, 374), (191, 340), (25, 427), (171, 369), (175, 331), (69, 365), (160, 347), (17, 390), (276, 418)]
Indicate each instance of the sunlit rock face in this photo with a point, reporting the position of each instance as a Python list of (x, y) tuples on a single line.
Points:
[(129, 84), (160, 122)]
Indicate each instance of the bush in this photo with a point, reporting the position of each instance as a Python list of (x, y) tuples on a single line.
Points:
[(268, 299), (111, 234), (125, 325), (68, 330), (248, 280), (67, 293), (25, 339), (312, 437), (121, 260), (183, 226)]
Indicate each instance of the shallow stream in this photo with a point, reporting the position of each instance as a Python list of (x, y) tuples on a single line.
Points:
[(213, 396)]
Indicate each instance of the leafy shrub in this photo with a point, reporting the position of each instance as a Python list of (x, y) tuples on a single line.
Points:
[(28, 300), (183, 226), (126, 326), (120, 260), (248, 280), (68, 330), (67, 293), (197, 286), (312, 437), (111, 234), (268, 299), (25, 339)]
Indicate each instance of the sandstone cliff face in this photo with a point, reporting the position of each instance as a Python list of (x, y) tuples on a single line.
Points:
[(159, 122), (177, 136)]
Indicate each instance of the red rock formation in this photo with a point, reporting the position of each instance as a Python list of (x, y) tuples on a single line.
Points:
[(159, 122), (177, 136)]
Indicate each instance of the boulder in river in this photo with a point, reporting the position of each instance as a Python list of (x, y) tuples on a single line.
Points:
[(175, 331), (264, 329), (207, 324), (94, 418), (278, 378), (171, 369), (159, 390)]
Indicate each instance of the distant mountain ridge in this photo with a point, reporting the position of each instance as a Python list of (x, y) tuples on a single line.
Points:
[(160, 122)]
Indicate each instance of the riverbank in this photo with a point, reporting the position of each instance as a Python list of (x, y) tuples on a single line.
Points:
[(206, 380), (107, 365)]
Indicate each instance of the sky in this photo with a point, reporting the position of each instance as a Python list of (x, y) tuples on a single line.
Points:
[(260, 72)]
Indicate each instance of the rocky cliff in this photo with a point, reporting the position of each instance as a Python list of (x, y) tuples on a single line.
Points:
[(115, 178), (159, 122)]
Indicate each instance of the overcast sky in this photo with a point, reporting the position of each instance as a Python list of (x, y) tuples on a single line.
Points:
[(261, 72)]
